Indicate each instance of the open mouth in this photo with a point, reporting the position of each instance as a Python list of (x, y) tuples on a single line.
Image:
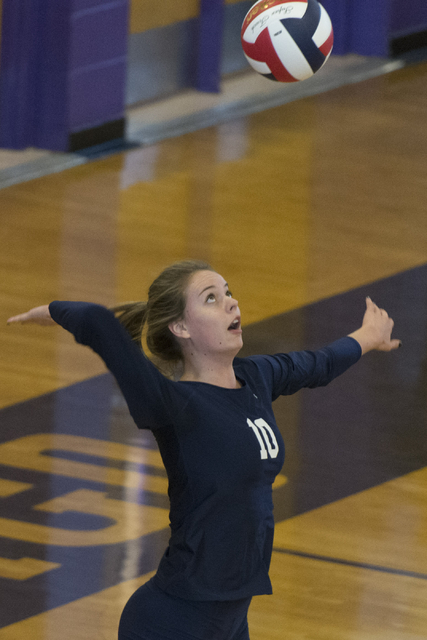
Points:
[(235, 325)]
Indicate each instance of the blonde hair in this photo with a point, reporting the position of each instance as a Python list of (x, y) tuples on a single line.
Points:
[(165, 304)]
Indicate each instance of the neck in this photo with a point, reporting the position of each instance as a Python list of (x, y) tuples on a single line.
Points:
[(217, 372)]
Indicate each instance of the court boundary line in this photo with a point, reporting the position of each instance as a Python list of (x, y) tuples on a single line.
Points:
[(352, 563)]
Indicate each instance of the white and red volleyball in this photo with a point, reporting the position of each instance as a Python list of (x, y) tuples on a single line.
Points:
[(287, 40)]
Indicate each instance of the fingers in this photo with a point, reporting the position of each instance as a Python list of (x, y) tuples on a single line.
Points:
[(37, 315), (390, 345), (379, 318), (371, 306), (22, 317), (374, 309)]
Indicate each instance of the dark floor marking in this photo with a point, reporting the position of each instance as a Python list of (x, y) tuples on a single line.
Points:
[(366, 428), (349, 563)]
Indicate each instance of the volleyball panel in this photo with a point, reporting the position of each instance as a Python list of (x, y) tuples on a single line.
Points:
[(252, 28), (289, 53), (323, 37), (287, 40), (260, 67), (302, 32), (263, 51)]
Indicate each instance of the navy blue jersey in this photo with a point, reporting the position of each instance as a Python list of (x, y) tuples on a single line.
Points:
[(221, 449)]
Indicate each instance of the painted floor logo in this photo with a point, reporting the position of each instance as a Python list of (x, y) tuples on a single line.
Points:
[(74, 509)]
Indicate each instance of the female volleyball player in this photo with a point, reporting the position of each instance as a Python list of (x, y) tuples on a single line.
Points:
[(217, 436)]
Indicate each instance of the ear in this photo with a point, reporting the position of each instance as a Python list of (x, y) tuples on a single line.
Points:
[(178, 329)]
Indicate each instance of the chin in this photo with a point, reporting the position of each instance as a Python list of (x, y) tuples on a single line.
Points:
[(239, 347)]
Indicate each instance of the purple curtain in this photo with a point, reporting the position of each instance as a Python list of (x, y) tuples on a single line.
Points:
[(211, 21), (62, 69), (360, 26), (408, 17)]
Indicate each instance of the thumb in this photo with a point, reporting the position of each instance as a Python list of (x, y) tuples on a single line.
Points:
[(393, 344)]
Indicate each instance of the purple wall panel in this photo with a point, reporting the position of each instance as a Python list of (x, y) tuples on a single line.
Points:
[(211, 22), (370, 27), (97, 66), (339, 11), (63, 69), (98, 36), (96, 96), (51, 105), (366, 26), (408, 17), (63, 62), (18, 79), (360, 26)]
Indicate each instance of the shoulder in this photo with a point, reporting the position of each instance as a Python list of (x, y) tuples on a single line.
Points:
[(259, 368)]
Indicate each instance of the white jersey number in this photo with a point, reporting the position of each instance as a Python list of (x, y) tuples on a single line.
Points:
[(266, 438)]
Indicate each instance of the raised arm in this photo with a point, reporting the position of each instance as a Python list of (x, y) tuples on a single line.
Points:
[(143, 386), (375, 332), (286, 373)]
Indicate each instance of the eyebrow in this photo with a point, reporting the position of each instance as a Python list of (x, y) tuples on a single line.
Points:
[(211, 286)]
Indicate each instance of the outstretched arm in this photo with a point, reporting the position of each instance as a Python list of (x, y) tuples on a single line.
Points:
[(38, 315), (375, 332), (290, 372), (146, 391)]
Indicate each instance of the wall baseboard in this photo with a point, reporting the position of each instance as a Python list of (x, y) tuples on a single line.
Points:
[(108, 131), (409, 42)]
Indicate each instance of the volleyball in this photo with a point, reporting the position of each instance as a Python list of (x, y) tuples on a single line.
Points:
[(287, 40)]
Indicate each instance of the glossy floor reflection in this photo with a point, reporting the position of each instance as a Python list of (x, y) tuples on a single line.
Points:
[(305, 209), (362, 431)]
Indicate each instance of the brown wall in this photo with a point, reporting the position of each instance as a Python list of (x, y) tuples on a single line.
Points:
[(150, 14)]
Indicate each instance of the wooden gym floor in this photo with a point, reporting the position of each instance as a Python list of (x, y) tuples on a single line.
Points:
[(305, 209)]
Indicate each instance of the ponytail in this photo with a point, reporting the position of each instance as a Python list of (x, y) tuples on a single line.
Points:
[(166, 304), (132, 316)]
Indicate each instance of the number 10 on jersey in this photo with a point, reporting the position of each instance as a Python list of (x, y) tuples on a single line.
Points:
[(266, 438)]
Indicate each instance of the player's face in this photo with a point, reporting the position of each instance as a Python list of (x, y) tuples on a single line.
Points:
[(212, 315)]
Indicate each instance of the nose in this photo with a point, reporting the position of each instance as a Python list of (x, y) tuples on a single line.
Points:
[(232, 303)]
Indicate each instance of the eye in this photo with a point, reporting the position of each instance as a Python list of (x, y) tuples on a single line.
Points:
[(229, 294), (210, 298)]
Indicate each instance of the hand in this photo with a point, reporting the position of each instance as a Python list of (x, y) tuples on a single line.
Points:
[(38, 315), (375, 332)]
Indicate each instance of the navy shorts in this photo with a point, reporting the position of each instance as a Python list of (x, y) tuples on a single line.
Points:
[(152, 614)]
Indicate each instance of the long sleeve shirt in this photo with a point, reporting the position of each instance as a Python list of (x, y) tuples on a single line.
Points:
[(221, 449)]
